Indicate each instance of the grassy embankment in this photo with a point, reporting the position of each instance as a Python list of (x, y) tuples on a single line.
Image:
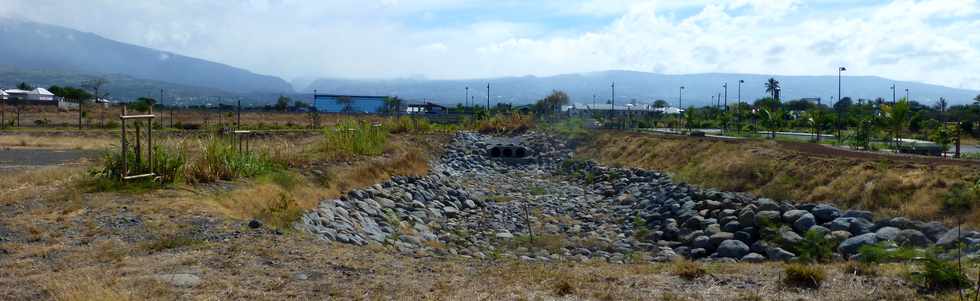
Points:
[(887, 186)]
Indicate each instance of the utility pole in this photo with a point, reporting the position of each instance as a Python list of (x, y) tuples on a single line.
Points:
[(738, 107), (840, 113), (238, 118), (907, 97), (680, 98), (612, 107), (894, 99), (467, 99), (726, 96), (488, 98)]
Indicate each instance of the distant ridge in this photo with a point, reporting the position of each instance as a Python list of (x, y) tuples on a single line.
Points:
[(642, 86), (34, 46)]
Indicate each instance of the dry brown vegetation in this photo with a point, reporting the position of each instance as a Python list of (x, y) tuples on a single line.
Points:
[(43, 140), (890, 187)]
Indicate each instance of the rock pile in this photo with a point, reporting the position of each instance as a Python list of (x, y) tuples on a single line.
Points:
[(550, 207)]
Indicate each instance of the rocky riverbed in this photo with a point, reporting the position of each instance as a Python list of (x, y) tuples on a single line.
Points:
[(549, 207)]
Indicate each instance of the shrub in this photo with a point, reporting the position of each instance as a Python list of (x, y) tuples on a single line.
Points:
[(688, 270), (166, 163), (815, 247), (878, 253), (861, 269), (350, 138), (961, 197), (804, 276), (221, 160), (941, 275), (407, 124), (282, 213), (509, 124)]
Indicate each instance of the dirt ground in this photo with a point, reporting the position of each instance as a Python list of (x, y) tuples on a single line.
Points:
[(170, 245), (59, 241)]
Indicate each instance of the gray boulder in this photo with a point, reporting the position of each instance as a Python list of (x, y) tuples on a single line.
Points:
[(804, 223), (912, 237), (867, 215), (788, 237), (702, 242), (779, 254), (732, 249), (793, 215), (887, 233), (767, 204), (851, 245), (753, 257), (825, 213), (719, 237), (932, 230), (767, 218), (746, 216)]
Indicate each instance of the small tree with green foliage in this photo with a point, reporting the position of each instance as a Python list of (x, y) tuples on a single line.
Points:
[(773, 121), (282, 103)]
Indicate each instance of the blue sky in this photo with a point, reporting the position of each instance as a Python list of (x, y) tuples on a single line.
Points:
[(934, 41)]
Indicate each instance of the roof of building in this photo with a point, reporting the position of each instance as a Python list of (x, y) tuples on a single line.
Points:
[(42, 91), (17, 91), (3, 93)]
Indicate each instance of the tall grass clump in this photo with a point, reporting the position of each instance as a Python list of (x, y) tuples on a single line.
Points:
[(352, 138), (408, 125), (166, 164), (804, 276), (220, 159), (572, 128), (507, 124)]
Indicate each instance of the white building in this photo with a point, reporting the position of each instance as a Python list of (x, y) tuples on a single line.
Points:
[(36, 95), (3, 95), (16, 94), (40, 94)]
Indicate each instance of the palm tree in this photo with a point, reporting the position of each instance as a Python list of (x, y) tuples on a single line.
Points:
[(897, 117), (772, 87)]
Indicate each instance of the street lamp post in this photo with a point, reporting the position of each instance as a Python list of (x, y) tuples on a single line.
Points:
[(893, 94), (726, 96), (680, 98), (840, 72), (738, 107), (467, 98), (612, 101), (907, 97)]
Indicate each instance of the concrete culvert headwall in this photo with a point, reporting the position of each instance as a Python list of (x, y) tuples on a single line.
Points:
[(508, 151)]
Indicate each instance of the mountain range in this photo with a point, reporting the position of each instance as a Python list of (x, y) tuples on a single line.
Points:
[(700, 89), (45, 55), (34, 46)]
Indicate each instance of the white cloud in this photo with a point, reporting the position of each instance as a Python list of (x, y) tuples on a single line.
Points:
[(936, 41)]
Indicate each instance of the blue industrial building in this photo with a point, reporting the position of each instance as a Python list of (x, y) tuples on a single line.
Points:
[(331, 103)]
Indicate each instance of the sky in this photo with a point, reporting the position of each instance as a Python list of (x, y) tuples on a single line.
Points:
[(932, 41)]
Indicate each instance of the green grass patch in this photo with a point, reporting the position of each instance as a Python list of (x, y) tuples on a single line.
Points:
[(351, 138)]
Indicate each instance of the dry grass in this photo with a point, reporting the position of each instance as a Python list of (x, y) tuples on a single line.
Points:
[(764, 168), (86, 288), (13, 141), (688, 270), (36, 183), (804, 276)]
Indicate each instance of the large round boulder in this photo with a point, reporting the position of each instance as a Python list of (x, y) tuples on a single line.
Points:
[(851, 245), (732, 249)]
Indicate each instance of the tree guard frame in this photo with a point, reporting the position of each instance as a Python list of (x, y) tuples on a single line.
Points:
[(137, 152)]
